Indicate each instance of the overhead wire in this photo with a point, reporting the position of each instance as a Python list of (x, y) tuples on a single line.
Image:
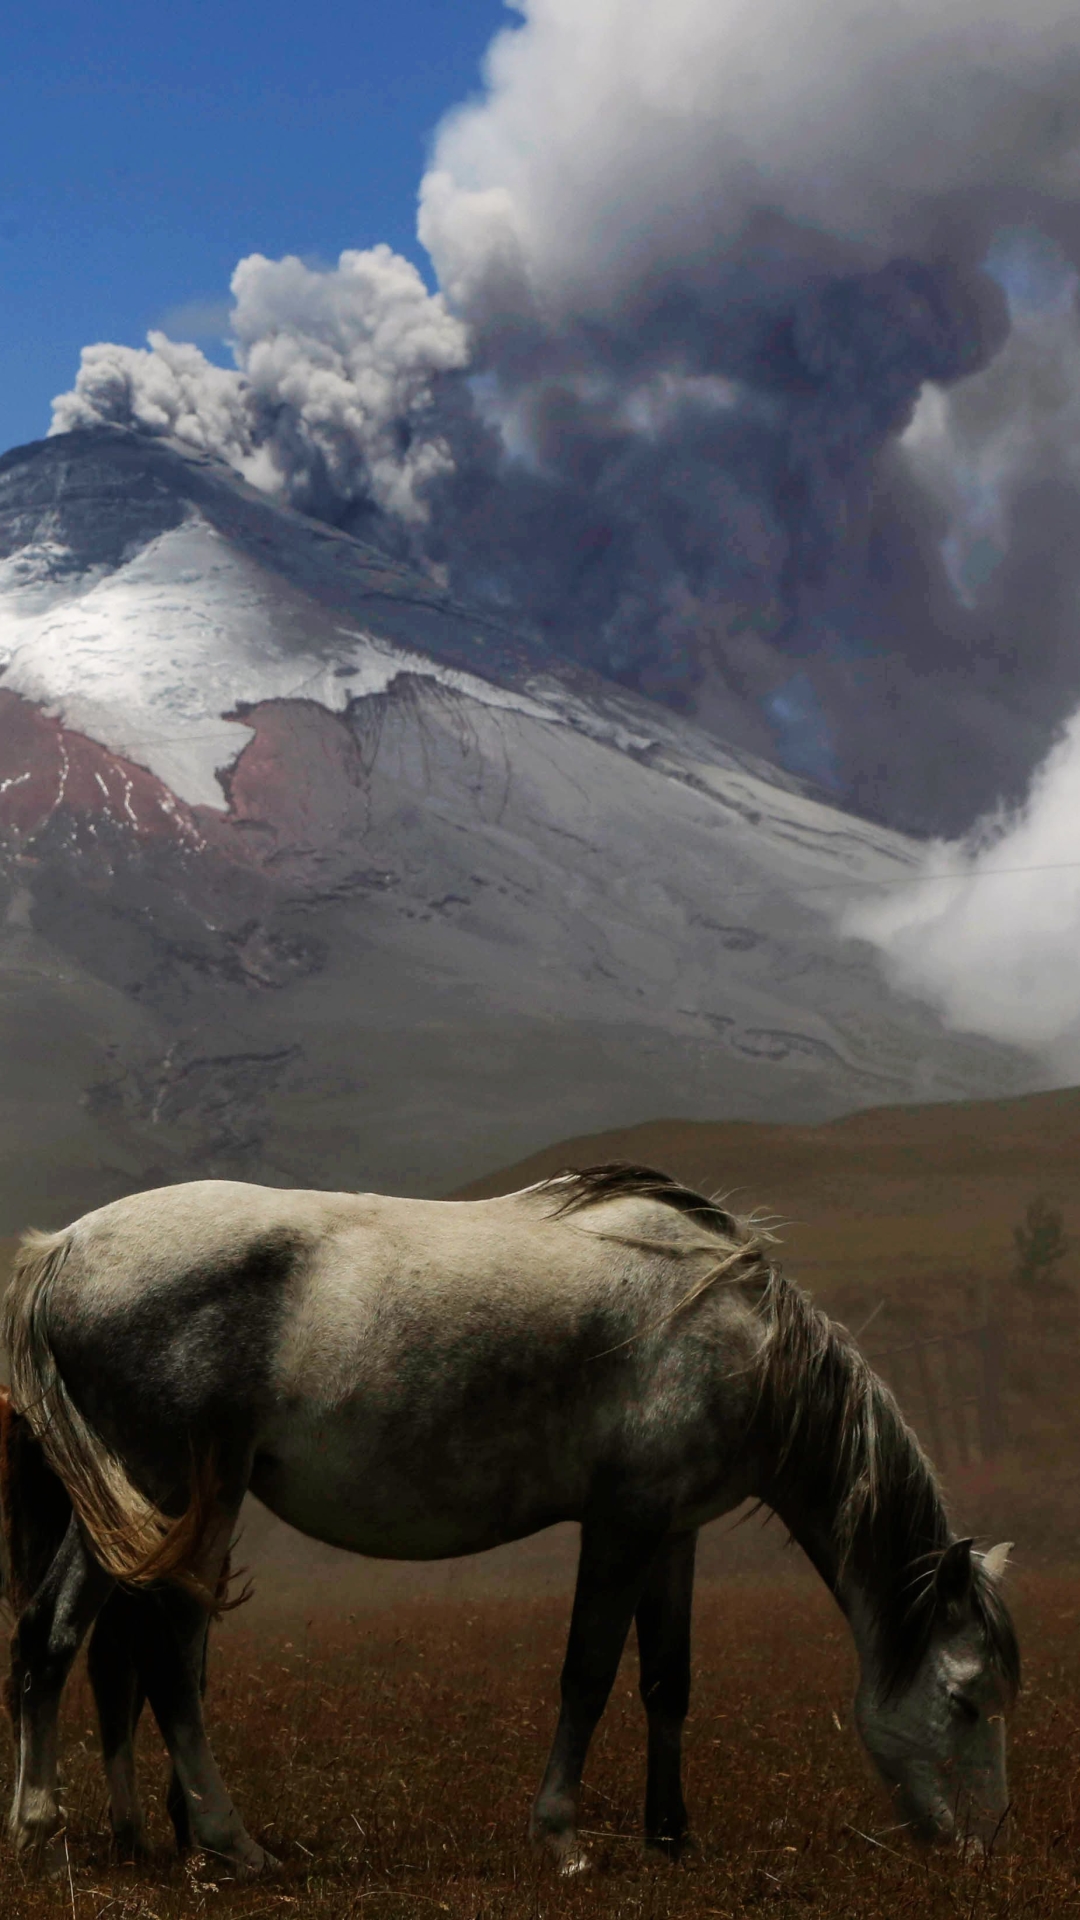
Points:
[(916, 879)]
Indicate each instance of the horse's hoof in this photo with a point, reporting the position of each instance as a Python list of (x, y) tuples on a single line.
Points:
[(129, 1845), (564, 1850), (253, 1863), (570, 1857), (673, 1847), (574, 1864), (37, 1831), (242, 1860), (45, 1854)]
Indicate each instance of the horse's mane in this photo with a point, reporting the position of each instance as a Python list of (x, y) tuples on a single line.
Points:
[(577, 1187), (841, 1446), (831, 1438)]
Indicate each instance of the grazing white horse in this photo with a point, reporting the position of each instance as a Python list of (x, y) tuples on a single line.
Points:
[(414, 1379)]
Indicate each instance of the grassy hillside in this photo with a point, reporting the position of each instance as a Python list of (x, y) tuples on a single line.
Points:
[(889, 1197)]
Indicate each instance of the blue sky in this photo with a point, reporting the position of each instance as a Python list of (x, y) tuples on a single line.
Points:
[(143, 150)]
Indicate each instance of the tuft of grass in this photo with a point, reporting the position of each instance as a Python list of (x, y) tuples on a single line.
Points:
[(389, 1761)]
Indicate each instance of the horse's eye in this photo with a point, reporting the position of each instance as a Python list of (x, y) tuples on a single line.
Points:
[(964, 1708)]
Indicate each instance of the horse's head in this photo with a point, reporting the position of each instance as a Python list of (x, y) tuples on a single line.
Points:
[(935, 1728)]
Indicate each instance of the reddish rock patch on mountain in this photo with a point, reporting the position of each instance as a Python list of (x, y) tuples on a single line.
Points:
[(50, 774), (295, 792)]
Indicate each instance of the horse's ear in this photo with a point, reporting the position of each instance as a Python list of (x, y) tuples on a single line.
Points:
[(954, 1576), (995, 1560)]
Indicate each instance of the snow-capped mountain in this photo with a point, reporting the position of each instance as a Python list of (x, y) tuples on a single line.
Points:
[(312, 874)]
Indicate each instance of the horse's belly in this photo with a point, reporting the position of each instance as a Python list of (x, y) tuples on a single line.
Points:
[(401, 1503)]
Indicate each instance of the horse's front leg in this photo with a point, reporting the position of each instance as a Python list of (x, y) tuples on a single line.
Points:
[(663, 1630), (113, 1665), (49, 1634), (612, 1571)]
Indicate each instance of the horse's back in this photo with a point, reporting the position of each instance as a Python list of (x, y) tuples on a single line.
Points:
[(162, 1232), (509, 1249), (224, 1291)]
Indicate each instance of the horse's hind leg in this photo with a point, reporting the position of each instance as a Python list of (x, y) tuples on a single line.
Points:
[(199, 1803), (133, 1641), (175, 1799), (663, 1630), (612, 1572), (49, 1634), (113, 1666)]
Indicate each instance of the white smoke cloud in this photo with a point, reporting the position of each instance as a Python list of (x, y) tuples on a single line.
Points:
[(333, 385), (620, 149), (996, 949), (166, 389)]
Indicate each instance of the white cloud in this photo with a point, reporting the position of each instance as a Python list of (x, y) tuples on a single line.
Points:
[(996, 950), (351, 353)]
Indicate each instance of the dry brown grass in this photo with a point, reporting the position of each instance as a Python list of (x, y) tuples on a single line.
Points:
[(390, 1761)]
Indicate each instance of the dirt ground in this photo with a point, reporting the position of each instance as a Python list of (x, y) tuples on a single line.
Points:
[(389, 1760)]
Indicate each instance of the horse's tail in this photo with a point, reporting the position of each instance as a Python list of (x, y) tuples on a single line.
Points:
[(132, 1538)]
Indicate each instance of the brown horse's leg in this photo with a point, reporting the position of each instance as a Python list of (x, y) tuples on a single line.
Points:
[(663, 1630), (49, 1634), (113, 1666), (612, 1572)]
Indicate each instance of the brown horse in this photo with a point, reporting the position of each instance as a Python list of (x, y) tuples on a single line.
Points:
[(132, 1650)]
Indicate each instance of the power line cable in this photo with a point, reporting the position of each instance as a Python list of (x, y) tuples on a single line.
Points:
[(919, 879)]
